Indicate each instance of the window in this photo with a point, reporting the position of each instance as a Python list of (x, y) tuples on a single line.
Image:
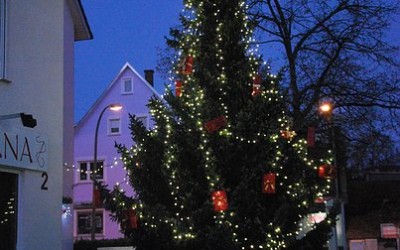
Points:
[(84, 219), (3, 33), (143, 119), (8, 210), (114, 126), (127, 86), (85, 172)]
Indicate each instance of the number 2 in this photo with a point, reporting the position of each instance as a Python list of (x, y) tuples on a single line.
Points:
[(44, 184)]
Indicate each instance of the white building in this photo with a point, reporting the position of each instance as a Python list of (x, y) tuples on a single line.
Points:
[(36, 77)]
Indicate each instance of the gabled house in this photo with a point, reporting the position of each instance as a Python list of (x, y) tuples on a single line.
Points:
[(133, 92)]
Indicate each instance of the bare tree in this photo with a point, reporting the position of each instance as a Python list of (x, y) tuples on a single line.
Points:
[(336, 49)]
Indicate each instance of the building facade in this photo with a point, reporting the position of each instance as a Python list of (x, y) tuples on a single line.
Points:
[(36, 78), (133, 92)]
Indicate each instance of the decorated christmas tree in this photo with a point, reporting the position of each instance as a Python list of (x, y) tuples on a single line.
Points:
[(222, 168)]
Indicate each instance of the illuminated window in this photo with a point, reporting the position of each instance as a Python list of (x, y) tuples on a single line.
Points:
[(86, 168), (127, 86), (114, 126), (84, 219)]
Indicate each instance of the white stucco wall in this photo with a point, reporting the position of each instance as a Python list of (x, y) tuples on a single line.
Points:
[(40, 54)]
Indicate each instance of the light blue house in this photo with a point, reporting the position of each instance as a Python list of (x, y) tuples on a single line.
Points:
[(133, 92)]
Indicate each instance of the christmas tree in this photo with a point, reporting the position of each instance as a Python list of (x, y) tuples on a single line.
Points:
[(223, 167)]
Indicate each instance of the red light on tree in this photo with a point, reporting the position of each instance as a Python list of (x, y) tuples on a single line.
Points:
[(130, 220), (187, 65), (268, 185), (257, 85), (215, 124), (220, 200), (178, 88), (327, 171)]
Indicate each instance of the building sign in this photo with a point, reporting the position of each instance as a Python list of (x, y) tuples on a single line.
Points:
[(21, 148), (389, 231)]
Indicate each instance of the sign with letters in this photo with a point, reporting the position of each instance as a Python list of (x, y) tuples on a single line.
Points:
[(22, 148)]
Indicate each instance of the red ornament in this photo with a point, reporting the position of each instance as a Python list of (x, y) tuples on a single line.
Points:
[(97, 197), (215, 124), (268, 186), (327, 171), (311, 137), (220, 200), (130, 220), (178, 88), (256, 85), (187, 65)]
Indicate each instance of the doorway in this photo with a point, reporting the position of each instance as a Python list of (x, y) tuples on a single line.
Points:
[(8, 210)]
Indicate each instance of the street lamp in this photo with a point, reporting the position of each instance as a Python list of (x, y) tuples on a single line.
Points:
[(326, 110), (113, 107)]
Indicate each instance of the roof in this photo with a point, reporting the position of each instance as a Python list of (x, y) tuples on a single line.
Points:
[(126, 66), (81, 26)]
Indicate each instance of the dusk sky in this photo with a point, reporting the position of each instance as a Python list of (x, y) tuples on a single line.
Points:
[(124, 31), (127, 31)]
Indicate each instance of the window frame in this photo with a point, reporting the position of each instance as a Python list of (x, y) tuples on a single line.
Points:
[(100, 213), (87, 172), (109, 127), (123, 86)]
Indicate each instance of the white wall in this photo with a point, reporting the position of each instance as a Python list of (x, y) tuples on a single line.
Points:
[(36, 52)]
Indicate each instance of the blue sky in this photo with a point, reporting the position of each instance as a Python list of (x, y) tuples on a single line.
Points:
[(124, 31), (128, 31)]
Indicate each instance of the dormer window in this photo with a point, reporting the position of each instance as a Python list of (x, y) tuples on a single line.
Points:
[(127, 86)]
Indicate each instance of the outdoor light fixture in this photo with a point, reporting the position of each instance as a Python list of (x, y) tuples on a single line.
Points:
[(113, 107), (27, 119), (326, 107)]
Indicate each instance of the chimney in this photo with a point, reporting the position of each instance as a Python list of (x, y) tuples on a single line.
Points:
[(149, 76)]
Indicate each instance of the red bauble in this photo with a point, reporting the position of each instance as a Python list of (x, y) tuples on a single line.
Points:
[(220, 200), (187, 65), (215, 124), (327, 171), (178, 88), (268, 185)]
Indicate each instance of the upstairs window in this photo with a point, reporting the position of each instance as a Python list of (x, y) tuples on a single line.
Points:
[(86, 169), (3, 40), (114, 126), (127, 86)]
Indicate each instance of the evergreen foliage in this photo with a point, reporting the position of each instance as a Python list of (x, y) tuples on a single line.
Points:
[(175, 167)]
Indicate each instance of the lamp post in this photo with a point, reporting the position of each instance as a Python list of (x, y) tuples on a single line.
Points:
[(326, 110), (113, 107)]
